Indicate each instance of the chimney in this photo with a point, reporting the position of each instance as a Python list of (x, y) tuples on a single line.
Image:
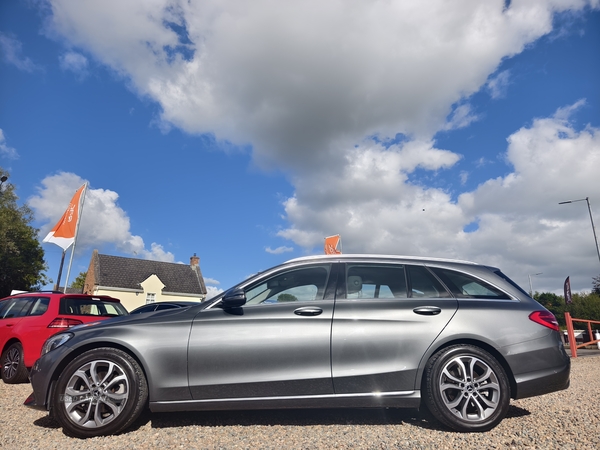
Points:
[(194, 261)]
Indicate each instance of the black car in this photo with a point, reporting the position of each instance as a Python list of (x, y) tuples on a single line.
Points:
[(161, 306)]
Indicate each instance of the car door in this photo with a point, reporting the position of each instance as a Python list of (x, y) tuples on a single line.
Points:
[(385, 318), (12, 312), (277, 344)]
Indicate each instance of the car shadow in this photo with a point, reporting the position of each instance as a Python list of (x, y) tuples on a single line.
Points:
[(291, 417)]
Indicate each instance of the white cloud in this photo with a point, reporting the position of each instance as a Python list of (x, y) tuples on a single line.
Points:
[(102, 220), (279, 250), (11, 49), (498, 85), (5, 150), (303, 81), (74, 62), (521, 227), (212, 291), (211, 281)]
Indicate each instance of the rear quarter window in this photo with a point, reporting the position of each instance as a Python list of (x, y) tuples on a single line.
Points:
[(466, 286)]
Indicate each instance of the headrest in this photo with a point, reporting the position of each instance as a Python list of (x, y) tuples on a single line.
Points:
[(354, 284)]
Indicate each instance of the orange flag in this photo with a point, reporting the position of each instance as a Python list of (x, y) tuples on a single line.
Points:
[(63, 233), (331, 244)]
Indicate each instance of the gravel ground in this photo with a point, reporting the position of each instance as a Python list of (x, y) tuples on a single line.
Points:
[(567, 419)]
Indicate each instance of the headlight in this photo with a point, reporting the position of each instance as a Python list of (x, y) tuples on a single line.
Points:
[(55, 341)]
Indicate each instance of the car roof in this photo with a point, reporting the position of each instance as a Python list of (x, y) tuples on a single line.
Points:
[(105, 298), (342, 257)]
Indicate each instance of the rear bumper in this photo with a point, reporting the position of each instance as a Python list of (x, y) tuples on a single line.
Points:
[(544, 367), (543, 382)]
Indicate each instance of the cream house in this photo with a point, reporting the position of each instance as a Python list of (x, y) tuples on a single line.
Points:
[(137, 282)]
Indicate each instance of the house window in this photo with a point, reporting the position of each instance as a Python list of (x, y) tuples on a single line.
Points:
[(150, 298)]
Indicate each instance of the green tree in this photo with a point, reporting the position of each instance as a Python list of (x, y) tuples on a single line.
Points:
[(79, 282), (22, 264), (584, 306), (287, 298)]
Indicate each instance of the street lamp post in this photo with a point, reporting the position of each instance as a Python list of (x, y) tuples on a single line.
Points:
[(587, 199), (530, 286)]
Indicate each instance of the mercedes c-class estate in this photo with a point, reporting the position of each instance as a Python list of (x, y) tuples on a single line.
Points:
[(457, 337)]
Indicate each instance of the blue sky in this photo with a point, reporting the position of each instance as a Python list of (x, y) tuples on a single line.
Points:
[(246, 133)]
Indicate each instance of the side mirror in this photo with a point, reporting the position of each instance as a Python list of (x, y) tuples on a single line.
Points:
[(234, 299)]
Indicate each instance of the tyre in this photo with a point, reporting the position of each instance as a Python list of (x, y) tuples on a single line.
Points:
[(466, 388), (101, 392), (13, 367)]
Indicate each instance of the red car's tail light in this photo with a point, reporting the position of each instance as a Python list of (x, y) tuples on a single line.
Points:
[(61, 322), (544, 318)]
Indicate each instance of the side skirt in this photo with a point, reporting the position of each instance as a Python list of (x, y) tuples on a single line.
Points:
[(402, 399)]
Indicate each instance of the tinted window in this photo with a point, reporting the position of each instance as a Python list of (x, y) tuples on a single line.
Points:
[(424, 284), (17, 307), (467, 286), (89, 307), (40, 306), (375, 281), (306, 284), (160, 307)]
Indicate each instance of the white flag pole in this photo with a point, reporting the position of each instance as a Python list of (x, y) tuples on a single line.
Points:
[(80, 212)]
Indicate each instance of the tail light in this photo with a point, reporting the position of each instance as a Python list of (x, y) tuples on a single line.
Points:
[(62, 322), (545, 318)]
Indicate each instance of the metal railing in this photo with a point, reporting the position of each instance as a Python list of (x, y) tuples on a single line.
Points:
[(571, 333)]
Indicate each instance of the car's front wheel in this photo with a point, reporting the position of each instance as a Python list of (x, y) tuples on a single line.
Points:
[(101, 392), (13, 367), (466, 388)]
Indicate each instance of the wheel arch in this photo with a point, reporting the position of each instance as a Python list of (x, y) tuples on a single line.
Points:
[(10, 342), (467, 341)]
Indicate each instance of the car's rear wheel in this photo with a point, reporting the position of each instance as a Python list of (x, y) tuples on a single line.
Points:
[(101, 392), (466, 388), (13, 366)]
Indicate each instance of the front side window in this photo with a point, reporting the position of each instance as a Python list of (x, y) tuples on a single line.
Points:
[(467, 286), (298, 285), (369, 281)]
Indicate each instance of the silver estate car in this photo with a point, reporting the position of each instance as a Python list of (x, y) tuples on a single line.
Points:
[(315, 332)]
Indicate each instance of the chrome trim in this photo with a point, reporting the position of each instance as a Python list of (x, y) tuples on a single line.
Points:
[(290, 397)]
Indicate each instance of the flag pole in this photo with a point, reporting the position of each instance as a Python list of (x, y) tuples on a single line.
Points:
[(60, 269), (75, 240)]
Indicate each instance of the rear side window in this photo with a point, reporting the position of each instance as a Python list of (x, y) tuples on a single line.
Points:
[(423, 284), (89, 307), (40, 306), (375, 281), (466, 286)]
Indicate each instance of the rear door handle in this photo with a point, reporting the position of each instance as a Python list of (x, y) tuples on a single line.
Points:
[(308, 311), (427, 310)]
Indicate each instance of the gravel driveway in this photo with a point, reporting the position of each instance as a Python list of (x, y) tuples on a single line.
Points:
[(567, 420)]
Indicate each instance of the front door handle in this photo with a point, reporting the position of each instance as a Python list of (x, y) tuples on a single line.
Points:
[(427, 310), (308, 311)]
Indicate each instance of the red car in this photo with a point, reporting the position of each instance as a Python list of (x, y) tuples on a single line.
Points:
[(28, 319)]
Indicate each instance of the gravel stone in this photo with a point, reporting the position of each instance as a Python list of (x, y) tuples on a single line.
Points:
[(568, 419)]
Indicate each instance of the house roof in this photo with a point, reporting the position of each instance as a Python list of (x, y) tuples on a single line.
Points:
[(128, 273)]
